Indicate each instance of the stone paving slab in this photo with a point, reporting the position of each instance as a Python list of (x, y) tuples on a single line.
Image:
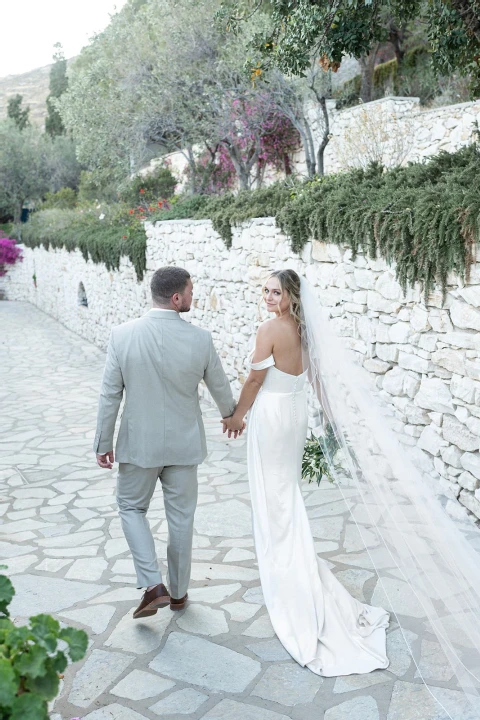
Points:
[(217, 660)]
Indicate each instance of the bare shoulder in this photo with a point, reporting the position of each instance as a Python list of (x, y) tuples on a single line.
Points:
[(269, 328)]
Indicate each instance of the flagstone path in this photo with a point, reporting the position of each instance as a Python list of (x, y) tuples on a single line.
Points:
[(218, 659)]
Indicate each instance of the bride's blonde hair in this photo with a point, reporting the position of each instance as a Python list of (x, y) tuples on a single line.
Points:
[(290, 284)]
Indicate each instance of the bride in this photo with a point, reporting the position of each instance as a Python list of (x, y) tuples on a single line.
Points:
[(425, 550), (319, 623)]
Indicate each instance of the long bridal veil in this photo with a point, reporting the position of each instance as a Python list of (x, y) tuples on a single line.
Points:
[(427, 563)]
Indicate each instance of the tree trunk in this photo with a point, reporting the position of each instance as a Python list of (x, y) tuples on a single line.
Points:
[(287, 165), (193, 169), (301, 124), (241, 168), (17, 213), (260, 174), (203, 183), (396, 38), (310, 157), (243, 178), (325, 137), (367, 66)]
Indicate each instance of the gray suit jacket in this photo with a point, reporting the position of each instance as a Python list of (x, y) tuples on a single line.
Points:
[(159, 360)]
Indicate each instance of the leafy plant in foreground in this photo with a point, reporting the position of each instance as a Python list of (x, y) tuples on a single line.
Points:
[(31, 661)]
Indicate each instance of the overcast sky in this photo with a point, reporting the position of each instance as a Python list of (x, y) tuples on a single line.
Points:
[(30, 28)]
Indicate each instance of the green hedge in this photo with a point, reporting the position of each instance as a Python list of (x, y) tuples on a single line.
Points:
[(227, 210), (424, 217), (103, 240)]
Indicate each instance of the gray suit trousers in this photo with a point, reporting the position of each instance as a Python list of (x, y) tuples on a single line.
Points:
[(135, 487)]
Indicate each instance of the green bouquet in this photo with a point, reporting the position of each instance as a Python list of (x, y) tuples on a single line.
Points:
[(318, 456)]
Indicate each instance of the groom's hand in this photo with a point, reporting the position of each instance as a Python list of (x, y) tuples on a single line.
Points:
[(234, 426), (106, 460)]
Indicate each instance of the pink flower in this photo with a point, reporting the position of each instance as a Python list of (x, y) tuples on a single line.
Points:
[(10, 253)]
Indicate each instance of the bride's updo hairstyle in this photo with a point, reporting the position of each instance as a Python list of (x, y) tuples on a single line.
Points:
[(289, 285)]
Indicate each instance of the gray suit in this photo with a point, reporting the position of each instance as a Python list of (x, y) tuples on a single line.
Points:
[(159, 360)]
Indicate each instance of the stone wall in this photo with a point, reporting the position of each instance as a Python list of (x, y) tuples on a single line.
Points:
[(53, 280), (426, 358), (392, 130)]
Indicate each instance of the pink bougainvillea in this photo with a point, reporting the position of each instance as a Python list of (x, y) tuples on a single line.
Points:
[(10, 253), (215, 172), (278, 141), (256, 129), (254, 135)]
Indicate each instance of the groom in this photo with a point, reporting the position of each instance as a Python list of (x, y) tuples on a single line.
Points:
[(159, 360)]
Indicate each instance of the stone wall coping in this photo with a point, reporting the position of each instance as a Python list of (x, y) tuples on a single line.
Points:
[(413, 101), (449, 108), (380, 101), (177, 221), (187, 222)]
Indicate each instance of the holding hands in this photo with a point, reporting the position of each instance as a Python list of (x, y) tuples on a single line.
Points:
[(234, 425)]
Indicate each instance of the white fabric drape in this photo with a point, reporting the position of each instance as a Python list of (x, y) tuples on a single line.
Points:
[(319, 623), (422, 551)]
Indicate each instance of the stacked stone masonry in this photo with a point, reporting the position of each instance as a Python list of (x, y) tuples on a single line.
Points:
[(395, 130), (392, 131), (425, 358)]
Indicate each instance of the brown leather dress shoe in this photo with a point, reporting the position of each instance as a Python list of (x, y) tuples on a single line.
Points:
[(153, 599), (178, 604)]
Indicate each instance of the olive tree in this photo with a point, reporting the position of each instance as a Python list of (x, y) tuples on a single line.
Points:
[(332, 29), (24, 167), (165, 78)]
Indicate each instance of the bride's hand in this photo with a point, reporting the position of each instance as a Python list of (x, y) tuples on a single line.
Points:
[(233, 425)]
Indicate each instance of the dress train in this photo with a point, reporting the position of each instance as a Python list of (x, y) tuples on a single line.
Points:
[(316, 619)]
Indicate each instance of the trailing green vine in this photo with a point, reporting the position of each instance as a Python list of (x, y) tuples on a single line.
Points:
[(104, 235), (228, 210), (423, 218)]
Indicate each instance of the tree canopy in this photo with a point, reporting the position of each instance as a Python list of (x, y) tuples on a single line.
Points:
[(31, 164), (164, 78), (17, 113), (335, 28), (58, 84), (23, 167)]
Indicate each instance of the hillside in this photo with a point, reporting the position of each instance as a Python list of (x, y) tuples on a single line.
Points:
[(33, 85)]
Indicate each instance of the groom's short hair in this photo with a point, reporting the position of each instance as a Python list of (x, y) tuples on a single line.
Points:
[(167, 281)]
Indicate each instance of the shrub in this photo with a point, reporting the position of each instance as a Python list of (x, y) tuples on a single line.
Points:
[(98, 186), (414, 77), (10, 253), (183, 207), (103, 233), (64, 199), (31, 661), (375, 135), (227, 210), (349, 93), (148, 190), (424, 217)]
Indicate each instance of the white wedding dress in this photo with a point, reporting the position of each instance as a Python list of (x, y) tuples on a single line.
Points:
[(318, 622)]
